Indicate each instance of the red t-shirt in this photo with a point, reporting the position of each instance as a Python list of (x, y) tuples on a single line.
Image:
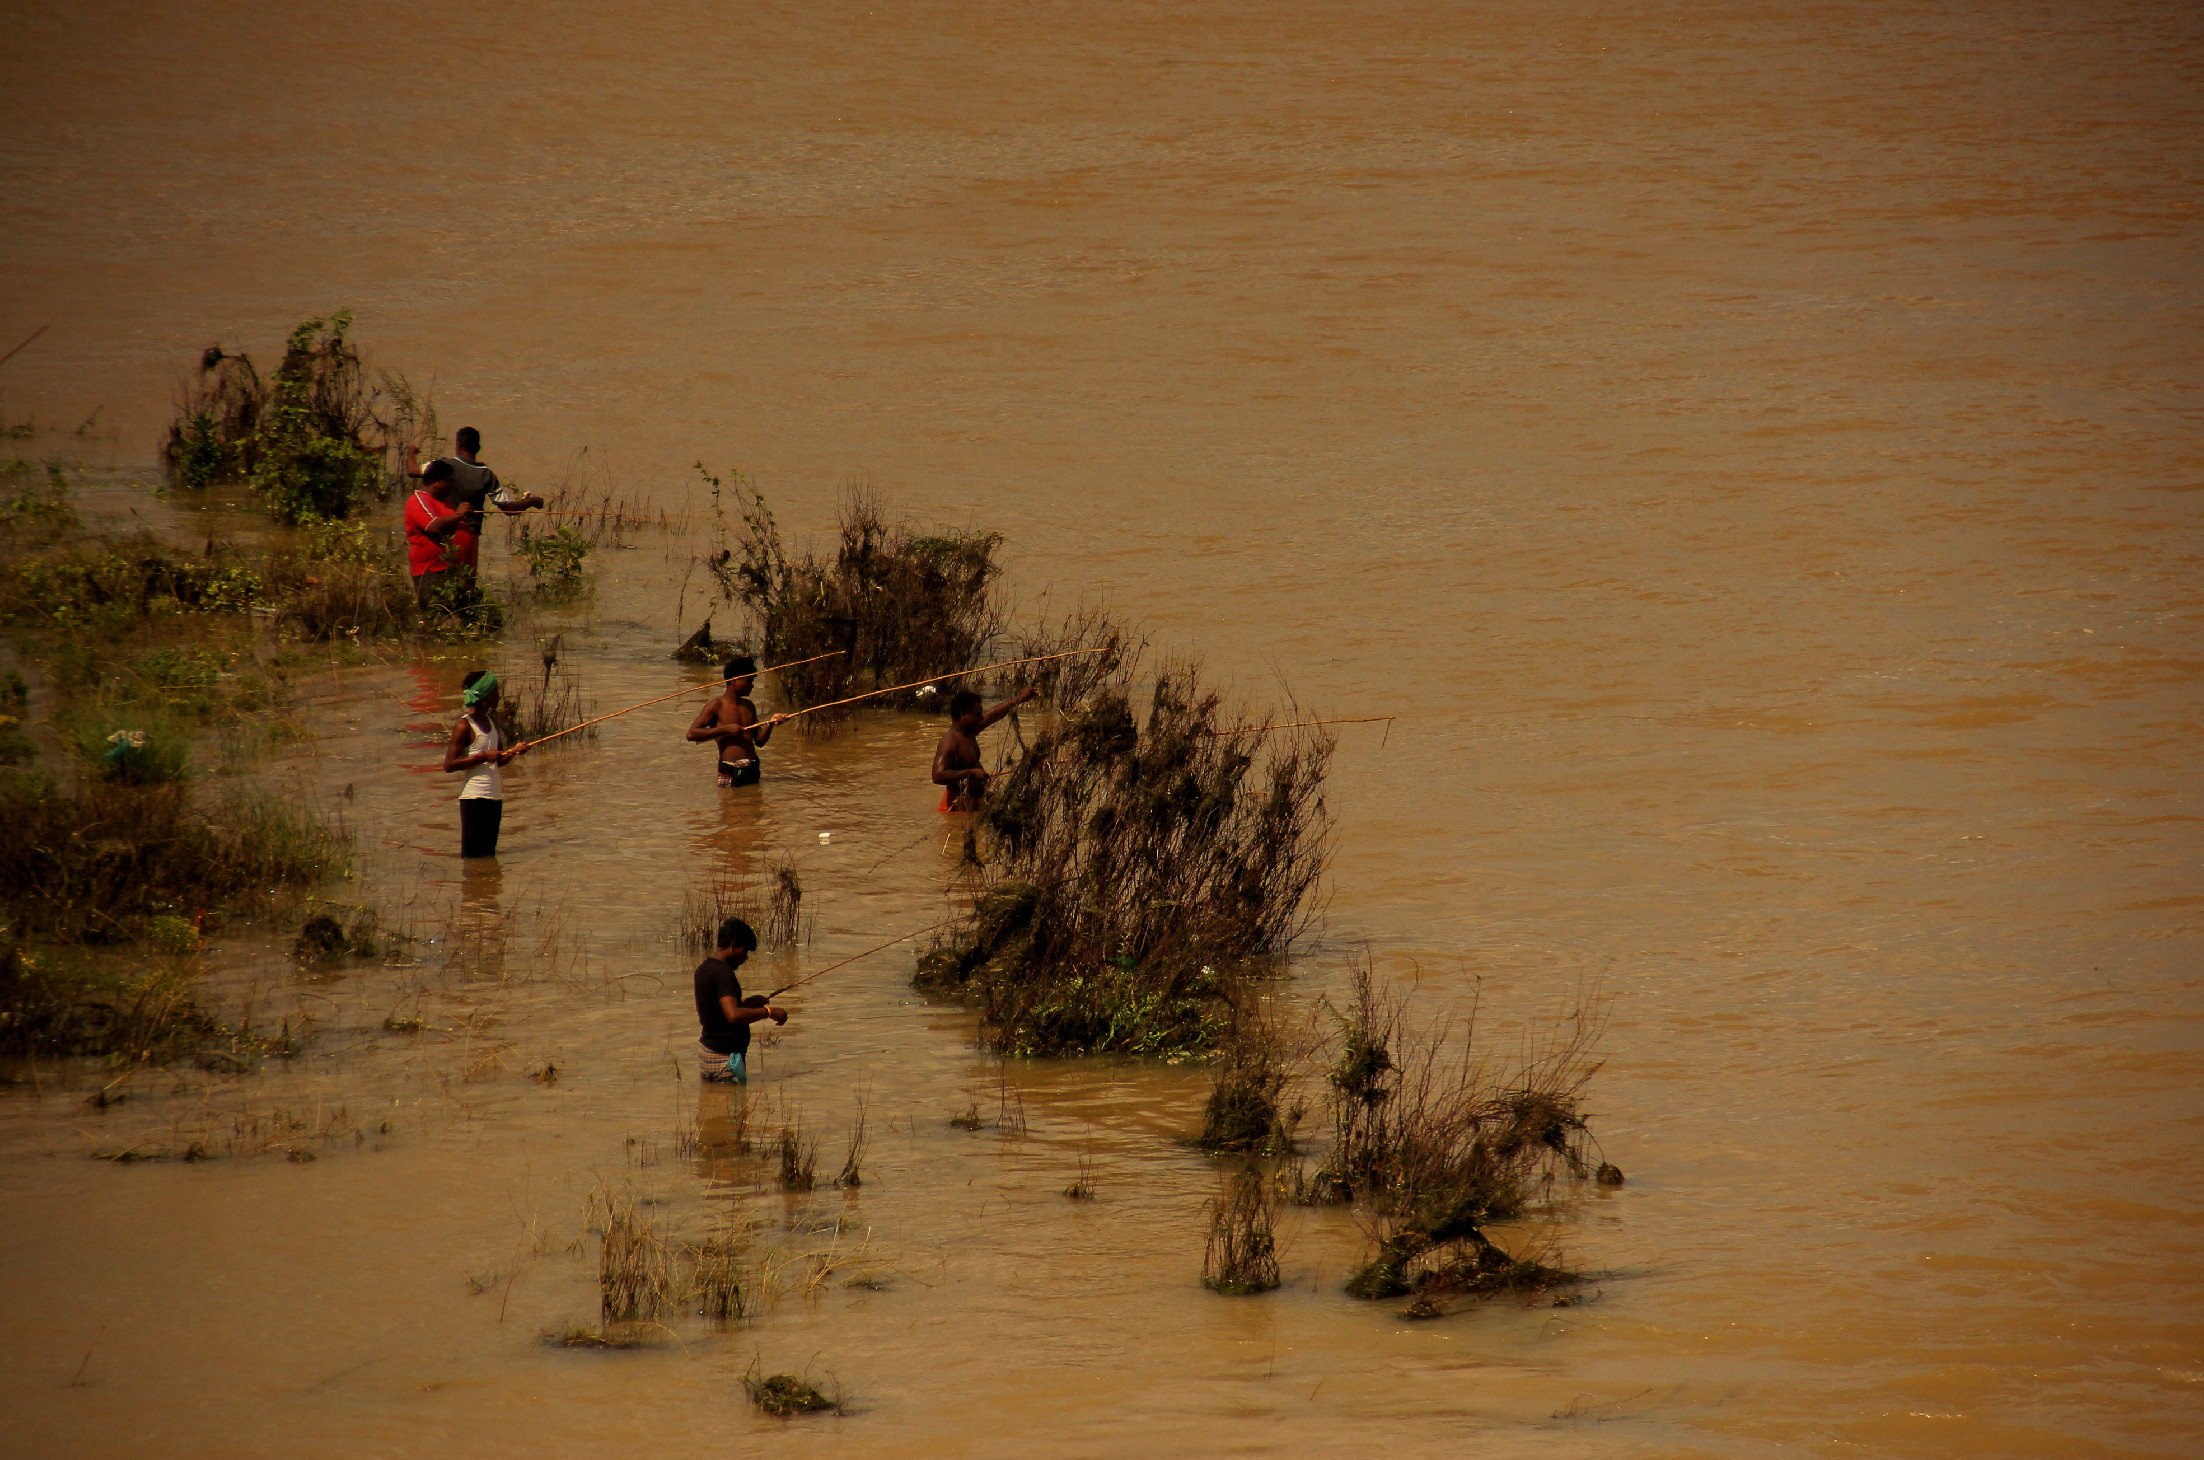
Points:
[(426, 554)]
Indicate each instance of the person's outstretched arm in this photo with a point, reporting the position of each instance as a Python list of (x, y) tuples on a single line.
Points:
[(1007, 706)]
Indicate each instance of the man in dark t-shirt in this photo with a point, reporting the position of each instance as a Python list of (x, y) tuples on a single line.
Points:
[(723, 1015), (474, 486)]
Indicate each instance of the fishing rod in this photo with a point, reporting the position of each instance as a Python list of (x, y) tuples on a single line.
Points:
[(937, 678), (677, 694), (1298, 724), (784, 988)]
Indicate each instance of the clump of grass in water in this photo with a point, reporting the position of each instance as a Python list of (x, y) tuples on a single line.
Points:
[(893, 604), (1242, 1255), (717, 1266), (577, 1336), (853, 1156), (1431, 1146), (782, 1395), (535, 708), (773, 909), (1141, 873), (799, 1157), (636, 1274)]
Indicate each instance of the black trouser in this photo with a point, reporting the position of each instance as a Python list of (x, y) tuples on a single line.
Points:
[(478, 821), (739, 772)]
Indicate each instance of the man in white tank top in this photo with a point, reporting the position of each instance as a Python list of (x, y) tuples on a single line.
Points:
[(477, 748)]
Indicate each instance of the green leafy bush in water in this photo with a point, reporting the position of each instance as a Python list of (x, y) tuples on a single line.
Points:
[(555, 559), (1144, 873), (314, 440), (63, 1001), (108, 587), (309, 456)]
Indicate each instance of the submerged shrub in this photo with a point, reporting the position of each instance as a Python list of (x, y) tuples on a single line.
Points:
[(1431, 1146), (782, 1395), (1248, 1111), (1242, 1255), (313, 440), (555, 559), (1142, 873), (892, 605)]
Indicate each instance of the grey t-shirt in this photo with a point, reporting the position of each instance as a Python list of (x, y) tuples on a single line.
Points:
[(472, 484)]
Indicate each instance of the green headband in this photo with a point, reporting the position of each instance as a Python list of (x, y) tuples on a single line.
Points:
[(473, 693)]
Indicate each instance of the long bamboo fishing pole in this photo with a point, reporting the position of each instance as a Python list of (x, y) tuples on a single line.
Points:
[(936, 678), (677, 694), (784, 988), (1298, 724)]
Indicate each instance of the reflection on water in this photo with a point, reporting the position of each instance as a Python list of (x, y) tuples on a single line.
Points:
[(1747, 448)]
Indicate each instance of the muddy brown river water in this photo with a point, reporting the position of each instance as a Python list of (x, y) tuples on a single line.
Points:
[(1753, 449)]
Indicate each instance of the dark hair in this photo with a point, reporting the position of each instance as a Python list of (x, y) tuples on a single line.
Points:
[(436, 470), (466, 681), (740, 665), (735, 933), (963, 702), (467, 438)]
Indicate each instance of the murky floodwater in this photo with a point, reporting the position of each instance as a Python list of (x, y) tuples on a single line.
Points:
[(1753, 449)]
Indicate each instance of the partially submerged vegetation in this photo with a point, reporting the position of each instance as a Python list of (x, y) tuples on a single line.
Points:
[(891, 605), (531, 708), (1242, 1255), (1141, 872), (782, 1395), (1431, 1145), (771, 902), (314, 441)]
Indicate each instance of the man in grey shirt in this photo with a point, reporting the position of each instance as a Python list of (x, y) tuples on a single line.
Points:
[(473, 486)]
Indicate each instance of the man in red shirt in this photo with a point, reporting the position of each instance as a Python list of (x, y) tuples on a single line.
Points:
[(474, 487), (432, 518)]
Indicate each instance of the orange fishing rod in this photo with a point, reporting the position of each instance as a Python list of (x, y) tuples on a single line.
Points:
[(677, 694), (937, 678), (799, 983)]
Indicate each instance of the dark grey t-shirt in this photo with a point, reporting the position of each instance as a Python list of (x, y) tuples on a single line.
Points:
[(717, 1032), (472, 484)]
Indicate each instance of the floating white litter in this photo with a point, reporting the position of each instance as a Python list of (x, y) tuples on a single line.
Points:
[(927, 691), (826, 836)]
